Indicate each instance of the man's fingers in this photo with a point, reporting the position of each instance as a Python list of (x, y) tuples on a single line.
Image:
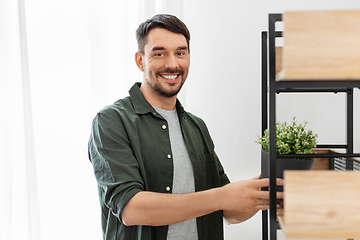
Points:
[(265, 206), (257, 177), (266, 195), (280, 195), (266, 181)]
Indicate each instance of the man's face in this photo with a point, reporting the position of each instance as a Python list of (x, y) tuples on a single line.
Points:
[(165, 61)]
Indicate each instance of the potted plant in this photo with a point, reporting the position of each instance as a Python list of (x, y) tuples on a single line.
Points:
[(291, 138)]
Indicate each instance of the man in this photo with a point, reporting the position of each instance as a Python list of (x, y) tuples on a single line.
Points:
[(158, 175)]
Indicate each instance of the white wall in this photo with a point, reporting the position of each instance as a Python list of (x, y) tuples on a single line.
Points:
[(223, 86)]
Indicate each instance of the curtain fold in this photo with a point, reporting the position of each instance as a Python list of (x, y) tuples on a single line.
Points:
[(19, 218), (31, 175)]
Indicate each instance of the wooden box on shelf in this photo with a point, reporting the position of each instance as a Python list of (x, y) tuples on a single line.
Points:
[(321, 204), (321, 45)]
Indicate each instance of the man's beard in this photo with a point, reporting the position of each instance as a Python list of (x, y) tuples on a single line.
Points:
[(162, 91)]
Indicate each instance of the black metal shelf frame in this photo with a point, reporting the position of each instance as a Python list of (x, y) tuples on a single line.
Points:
[(270, 88)]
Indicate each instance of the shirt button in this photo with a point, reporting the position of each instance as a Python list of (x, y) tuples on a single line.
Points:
[(168, 156), (163, 126), (167, 189)]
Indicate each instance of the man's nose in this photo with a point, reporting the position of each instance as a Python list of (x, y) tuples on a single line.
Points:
[(171, 62)]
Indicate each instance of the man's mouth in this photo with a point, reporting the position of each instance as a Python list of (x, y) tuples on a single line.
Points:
[(169, 77)]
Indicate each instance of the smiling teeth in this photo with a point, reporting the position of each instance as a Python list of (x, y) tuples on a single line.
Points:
[(170, 77)]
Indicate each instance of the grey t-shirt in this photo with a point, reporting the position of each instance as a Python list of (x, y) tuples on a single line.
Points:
[(183, 179)]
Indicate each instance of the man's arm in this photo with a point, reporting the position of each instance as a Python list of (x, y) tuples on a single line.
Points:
[(156, 209), (239, 201)]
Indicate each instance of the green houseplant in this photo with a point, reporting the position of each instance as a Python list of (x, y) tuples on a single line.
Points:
[(291, 138)]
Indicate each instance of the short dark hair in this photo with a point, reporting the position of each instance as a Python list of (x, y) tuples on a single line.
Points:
[(165, 21)]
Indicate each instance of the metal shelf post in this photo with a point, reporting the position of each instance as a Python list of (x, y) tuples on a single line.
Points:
[(272, 123)]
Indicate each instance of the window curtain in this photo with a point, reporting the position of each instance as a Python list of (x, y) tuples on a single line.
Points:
[(19, 217), (60, 63)]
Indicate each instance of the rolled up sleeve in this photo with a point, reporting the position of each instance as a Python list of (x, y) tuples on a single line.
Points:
[(115, 166)]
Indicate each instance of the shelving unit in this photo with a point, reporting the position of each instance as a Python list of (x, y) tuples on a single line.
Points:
[(270, 88)]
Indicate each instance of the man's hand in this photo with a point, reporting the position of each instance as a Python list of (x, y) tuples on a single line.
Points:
[(242, 199)]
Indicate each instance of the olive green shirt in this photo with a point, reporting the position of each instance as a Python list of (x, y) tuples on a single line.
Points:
[(130, 151)]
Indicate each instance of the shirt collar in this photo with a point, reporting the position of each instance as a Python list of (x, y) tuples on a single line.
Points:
[(142, 106)]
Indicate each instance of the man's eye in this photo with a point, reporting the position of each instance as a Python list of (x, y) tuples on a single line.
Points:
[(159, 54), (180, 54)]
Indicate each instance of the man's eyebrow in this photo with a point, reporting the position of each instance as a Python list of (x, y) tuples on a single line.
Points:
[(183, 48), (156, 48)]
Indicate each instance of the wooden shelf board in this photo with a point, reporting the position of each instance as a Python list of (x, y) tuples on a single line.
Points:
[(306, 233), (320, 45), (321, 204)]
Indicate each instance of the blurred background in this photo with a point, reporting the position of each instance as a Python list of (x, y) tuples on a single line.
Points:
[(62, 61)]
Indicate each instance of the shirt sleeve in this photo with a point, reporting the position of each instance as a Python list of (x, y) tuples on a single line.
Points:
[(223, 177), (116, 168)]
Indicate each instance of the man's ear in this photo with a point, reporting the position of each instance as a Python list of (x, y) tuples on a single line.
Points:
[(139, 60)]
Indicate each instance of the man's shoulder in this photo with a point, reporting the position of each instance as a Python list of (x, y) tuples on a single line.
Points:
[(120, 105), (198, 120), (193, 116), (118, 110)]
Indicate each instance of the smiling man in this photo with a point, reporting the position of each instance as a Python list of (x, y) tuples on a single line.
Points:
[(165, 61), (158, 175)]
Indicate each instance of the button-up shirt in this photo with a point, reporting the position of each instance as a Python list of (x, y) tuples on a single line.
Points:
[(130, 151)]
